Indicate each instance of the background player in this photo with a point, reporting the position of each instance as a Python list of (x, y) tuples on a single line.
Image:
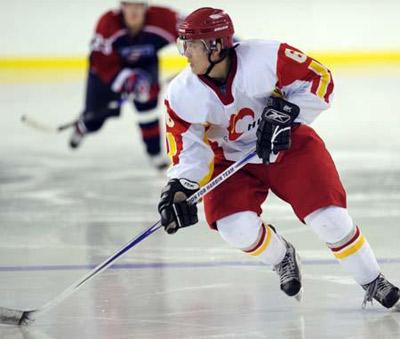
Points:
[(259, 94), (124, 61)]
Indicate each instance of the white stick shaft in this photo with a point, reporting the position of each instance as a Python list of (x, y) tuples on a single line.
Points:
[(221, 177), (31, 122), (109, 261)]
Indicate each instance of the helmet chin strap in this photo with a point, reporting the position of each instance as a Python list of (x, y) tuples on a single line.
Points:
[(213, 63), (224, 53)]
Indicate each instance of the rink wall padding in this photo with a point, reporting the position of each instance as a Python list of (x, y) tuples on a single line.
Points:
[(26, 68)]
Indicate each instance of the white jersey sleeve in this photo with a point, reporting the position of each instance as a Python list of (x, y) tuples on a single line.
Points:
[(191, 155), (304, 82)]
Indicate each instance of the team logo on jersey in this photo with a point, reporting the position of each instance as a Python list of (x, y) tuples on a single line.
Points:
[(237, 124), (134, 53)]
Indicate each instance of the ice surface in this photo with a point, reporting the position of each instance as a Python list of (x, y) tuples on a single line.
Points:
[(61, 212)]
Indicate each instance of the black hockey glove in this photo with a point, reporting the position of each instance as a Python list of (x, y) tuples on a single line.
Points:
[(174, 210), (273, 133)]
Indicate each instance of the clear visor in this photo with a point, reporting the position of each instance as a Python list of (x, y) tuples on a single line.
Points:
[(180, 44), (183, 45)]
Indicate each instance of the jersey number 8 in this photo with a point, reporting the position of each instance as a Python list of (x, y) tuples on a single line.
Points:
[(316, 67)]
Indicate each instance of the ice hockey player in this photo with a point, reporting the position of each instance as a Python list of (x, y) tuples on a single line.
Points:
[(258, 94), (124, 61)]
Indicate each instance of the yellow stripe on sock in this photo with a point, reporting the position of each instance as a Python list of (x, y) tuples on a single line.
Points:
[(350, 250), (264, 245)]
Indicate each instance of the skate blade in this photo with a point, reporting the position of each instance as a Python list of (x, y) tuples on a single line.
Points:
[(299, 296), (396, 307)]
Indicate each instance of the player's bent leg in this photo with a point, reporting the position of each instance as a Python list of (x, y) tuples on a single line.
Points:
[(335, 227), (149, 123), (90, 122), (246, 231), (101, 103)]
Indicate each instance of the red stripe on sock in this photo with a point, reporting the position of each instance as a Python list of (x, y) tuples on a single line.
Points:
[(355, 236), (260, 242)]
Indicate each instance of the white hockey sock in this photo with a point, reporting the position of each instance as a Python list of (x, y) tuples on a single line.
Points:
[(357, 258), (269, 248), (334, 226), (245, 231)]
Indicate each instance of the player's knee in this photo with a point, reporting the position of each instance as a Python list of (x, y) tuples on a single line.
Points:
[(332, 224), (94, 120), (93, 126), (240, 230), (113, 112)]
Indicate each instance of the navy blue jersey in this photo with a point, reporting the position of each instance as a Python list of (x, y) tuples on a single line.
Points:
[(114, 48)]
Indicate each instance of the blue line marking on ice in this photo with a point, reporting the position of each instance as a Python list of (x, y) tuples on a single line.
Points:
[(157, 265)]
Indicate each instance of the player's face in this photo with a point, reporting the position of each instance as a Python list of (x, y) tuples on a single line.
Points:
[(134, 14), (196, 53)]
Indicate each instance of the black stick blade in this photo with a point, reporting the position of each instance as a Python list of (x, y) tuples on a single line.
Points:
[(9, 316)]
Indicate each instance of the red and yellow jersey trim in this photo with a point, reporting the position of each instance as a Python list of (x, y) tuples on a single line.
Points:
[(294, 65)]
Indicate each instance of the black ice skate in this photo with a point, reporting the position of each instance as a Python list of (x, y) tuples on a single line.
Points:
[(76, 136), (382, 291), (289, 272)]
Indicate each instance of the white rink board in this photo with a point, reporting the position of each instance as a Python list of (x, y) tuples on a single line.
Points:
[(64, 28)]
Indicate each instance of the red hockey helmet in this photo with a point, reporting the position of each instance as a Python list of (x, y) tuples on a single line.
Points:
[(208, 24), (144, 2)]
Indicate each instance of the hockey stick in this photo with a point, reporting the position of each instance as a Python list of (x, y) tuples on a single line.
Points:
[(40, 126), (20, 317), (43, 127), (90, 117)]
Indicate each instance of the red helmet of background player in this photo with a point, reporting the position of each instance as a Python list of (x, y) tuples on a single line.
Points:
[(208, 24), (143, 2)]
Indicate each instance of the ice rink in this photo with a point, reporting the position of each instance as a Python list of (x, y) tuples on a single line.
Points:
[(63, 212)]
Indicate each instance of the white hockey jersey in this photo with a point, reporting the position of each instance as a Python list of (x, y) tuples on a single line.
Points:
[(206, 123)]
